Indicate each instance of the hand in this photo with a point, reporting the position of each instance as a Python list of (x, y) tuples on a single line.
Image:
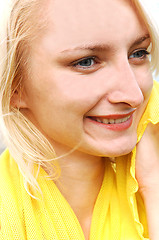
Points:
[(147, 160), (147, 174)]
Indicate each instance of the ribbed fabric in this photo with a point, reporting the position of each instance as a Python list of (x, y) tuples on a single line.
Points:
[(118, 214)]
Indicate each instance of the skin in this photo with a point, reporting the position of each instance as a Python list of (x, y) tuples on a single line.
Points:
[(55, 84), (60, 93), (147, 174)]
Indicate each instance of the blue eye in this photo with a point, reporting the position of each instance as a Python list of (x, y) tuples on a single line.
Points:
[(85, 63), (141, 54)]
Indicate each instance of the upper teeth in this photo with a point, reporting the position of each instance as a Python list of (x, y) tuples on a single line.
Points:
[(112, 121)]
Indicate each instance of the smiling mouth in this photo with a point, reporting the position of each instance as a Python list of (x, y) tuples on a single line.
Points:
[(117, 122), (110, 120)]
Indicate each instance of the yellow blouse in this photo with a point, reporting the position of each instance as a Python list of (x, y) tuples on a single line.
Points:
[(118, 213)]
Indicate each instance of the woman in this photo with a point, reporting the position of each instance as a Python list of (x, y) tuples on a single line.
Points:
[(76, 85)]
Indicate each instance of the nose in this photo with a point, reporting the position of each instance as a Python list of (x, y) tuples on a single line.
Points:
[(126, 87)]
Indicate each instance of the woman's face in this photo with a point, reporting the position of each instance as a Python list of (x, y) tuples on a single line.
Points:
[(90, 77)]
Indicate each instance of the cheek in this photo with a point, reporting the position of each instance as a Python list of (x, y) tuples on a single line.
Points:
[(58, 102), (74, 91), (145, 81)]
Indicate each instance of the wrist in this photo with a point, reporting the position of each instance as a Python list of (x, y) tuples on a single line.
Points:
[(150, 194), (151, 201)]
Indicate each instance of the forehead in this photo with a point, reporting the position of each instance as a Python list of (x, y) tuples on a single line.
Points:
[(73, 22)]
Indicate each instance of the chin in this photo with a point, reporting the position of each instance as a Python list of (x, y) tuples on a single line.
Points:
[(119, 148)]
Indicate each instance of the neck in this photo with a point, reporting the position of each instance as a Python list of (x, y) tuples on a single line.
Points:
[(80, 182)]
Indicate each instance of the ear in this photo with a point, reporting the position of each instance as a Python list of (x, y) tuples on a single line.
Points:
[(18, 99)]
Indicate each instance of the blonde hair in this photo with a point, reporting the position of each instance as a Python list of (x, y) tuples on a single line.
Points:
[(153, 29), (26, 143)]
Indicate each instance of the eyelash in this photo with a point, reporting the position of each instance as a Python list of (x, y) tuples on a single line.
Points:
[(144, 53), (96, 61), (77, 63)]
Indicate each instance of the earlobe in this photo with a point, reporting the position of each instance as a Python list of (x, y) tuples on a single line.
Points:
[(18, 100)]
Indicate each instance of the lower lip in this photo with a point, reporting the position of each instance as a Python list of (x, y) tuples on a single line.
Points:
[(115, 126)]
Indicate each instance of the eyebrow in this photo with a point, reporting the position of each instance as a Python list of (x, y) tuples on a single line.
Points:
[(102, 47), (141, 39)]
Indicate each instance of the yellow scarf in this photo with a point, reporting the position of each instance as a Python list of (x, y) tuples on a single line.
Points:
[(118, 213)]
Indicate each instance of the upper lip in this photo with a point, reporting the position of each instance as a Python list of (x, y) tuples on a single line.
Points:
[(113, 116)]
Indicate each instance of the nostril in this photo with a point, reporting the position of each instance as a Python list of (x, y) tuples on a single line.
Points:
[(127, 96)]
